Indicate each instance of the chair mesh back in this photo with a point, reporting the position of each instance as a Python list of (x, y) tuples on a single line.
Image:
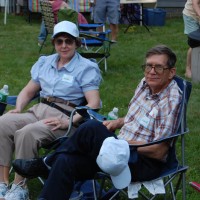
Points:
[(182, 128), (68, 14), (48, 16), (186, 88)]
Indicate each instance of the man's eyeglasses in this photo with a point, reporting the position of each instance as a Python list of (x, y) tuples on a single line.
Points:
[(66, 41), (158, 68)]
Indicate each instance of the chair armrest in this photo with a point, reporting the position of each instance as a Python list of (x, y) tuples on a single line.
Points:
[(171, 137), (11, 100), (86, 112), (95, 32), (89, 113), (83, 35), (90, 26)]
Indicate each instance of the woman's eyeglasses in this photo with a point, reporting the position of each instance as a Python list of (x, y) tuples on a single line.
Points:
[(157, 68), (66, 41)]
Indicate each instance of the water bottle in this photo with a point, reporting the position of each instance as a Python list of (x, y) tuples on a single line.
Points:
[(112, 115), (4, 94)]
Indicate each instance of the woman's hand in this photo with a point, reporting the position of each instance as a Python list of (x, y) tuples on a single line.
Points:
[(57, 123), (14, 111)]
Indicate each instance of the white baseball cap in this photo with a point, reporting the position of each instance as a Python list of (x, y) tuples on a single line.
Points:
[(113, 159), (65, 27)]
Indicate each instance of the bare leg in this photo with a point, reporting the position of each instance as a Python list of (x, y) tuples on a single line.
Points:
[(100, 29), (18, 178), (114, 31), (6, 174), (2, 174), (188, 71)]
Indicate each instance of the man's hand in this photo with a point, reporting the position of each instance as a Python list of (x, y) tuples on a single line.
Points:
[(112, 125), (56, 123)]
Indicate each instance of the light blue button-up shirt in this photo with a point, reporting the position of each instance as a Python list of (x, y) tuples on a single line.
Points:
[(70, 82)]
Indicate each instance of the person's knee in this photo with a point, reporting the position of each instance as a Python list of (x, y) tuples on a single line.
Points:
[(26, 134), (91, 124), (8, 125), (65, 163)]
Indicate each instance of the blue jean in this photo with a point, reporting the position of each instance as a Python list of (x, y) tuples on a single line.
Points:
[(74, 160), (43, 33)]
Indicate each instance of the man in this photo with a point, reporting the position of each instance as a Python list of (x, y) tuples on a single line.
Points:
[(152, 114), (191, 17), (107, 9)]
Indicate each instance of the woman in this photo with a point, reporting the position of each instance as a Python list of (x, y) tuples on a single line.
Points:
[(65, 80)]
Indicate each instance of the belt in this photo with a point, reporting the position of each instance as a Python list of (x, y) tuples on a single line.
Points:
[(57, 100), (52, 104)]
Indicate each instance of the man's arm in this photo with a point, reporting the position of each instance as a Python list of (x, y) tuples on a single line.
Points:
[(156, 151)]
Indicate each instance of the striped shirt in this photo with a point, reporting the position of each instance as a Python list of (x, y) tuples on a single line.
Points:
[(151, 117)]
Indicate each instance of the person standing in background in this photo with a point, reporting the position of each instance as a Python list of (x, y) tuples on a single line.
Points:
[(191, 17), (107, 9)]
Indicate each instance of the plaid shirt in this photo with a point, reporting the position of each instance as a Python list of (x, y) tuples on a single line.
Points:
[(151, 117)]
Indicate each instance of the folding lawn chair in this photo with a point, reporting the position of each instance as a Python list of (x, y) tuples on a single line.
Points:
[(11, 101), (95, 44), (173, 174), (48, 17), (97, 47)]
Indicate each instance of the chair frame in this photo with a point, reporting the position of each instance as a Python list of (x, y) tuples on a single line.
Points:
[(95, 44), (170, 175), (48, 17), (182, 129), (99, 48)]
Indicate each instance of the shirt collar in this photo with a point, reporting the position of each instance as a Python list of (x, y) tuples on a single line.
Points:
[(69, 66), (157, 95)]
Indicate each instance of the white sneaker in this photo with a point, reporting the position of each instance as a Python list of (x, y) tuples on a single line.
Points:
[(3, 189), (17, 193)]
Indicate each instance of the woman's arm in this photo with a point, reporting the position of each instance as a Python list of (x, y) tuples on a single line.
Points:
[(93, 101), (24, 97)]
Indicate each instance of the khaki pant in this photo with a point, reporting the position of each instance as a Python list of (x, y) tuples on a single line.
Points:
[(25, 133)]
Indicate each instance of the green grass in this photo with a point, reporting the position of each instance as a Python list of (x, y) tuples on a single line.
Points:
[(19, 51)]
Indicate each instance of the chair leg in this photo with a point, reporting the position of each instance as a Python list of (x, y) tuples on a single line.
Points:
[(172, 191), (41, 180), (183, 187), (42, 44), (94, 190), (105, 64)]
